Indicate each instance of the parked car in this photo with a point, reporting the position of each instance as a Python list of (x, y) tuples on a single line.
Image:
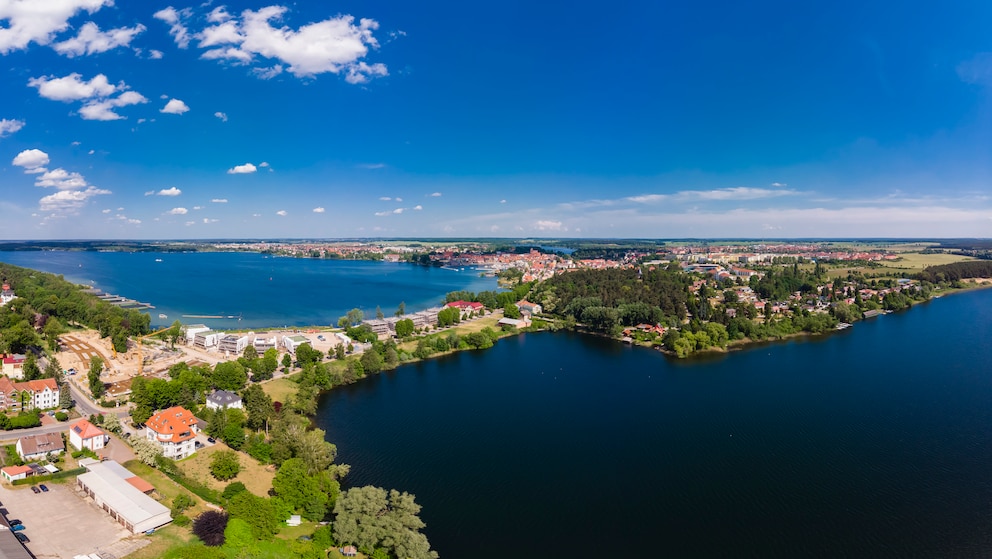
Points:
[(21, 537), (43, 487), (35, 489), (16, 527), (71, 371), (13, 521), (211, 440)]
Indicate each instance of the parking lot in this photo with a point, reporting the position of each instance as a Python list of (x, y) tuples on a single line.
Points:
[(60, 523)]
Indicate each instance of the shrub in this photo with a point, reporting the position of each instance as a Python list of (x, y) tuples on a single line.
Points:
[(180, 520), (61, 416), (225, 465), (233, 489), (209, 527), (182, 502)]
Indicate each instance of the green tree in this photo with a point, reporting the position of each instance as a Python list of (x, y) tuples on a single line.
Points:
[(146, 450), (287, 362), (339, 351), (30, 368), (258, 406), (404, 328), (229, 375), (401, 309), (53, 329), (112, 423), (310, 494), (369, 518), (250, 353), (378, 313), (371, 361), (355, 317), (263, 515), (225, 465), (95, 382), (511, 311)]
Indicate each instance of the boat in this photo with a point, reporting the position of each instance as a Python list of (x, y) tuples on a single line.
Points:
[(158, 259), (163, 315)]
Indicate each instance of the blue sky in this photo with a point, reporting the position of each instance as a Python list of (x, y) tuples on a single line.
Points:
[(159, 120)]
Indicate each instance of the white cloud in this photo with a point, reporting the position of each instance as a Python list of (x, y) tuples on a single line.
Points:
[(188, 223), (435, 194), (149, 193), (104, 109), (90, 40), (734, 193), (177, 23), (155, 54), (219, 200), (61, 179), (221, 116), (177, 211), (195, 208), (398, 199), (282, 213), (549, 225), (8, 127), (26, 21), (173, 191), (779, 184), (106, 211), (174, 107), (418, 207), (209, 220), (68, 200), (381, 214), (263, 164), (371, 165), (398, 210), (502, 201), (256, 215), (92, 151), (385, 198), (72, 88), (242, 169), (336, 45), (318, 210), (31, 159)]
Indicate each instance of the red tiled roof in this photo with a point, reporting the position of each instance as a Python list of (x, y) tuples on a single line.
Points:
[(86, 430), (140, 484), (16, 470), (176, 421)]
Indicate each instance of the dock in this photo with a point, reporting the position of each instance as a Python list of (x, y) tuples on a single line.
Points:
[(119, 300)]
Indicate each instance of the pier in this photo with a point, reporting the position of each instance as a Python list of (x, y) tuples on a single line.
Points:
[(119, 300)]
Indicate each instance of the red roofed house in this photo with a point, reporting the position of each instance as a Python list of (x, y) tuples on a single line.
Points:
[(10, 473), (13, 365), (465, 307), (86, 435), (174, 430), (36, 394)]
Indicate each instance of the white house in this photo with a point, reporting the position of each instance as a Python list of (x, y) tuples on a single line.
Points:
[(13, 365), (34, 394), (222, 399), (174, 430), (263, 343), (11, 473), (206, 339), (293, 342), (7, 295), (39, 447), (86, 435), (192, 330)]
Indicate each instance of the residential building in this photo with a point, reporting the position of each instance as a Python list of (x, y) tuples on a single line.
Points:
[(122, 494), (13, 365), (86, 435), (293, 342), (426, 317), (39, 447), (206, 339), (263, 344), (233, 344), (6, 295), (526, 306), (382, 326), (174, 430), (192, 330), (222, 399), (33, 394)]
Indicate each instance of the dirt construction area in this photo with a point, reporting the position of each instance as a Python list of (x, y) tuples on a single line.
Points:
[(61, 523)]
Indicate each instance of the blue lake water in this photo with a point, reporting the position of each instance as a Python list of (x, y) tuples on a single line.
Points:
[(264, 291), (871, 442)]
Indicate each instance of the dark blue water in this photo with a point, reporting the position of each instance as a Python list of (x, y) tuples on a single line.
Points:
[(264, 291), (872, 442)]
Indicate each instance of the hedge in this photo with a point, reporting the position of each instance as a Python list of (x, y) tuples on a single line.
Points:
[(48, 477)]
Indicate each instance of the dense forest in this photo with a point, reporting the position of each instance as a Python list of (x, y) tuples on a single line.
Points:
[(957, 271), (48, 304)]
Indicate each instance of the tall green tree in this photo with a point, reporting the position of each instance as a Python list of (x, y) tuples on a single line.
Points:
[(401, 309), (95, 382), (30, 368), (371, 518), (258, 406)]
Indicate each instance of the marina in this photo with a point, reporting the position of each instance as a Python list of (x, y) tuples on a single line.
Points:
[(119, 300)]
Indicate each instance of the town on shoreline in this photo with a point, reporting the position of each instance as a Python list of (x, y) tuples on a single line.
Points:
[(199, 420)]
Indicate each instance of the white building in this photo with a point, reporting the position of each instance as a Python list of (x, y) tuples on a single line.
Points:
[(192, 330), (293, 342), (222, 399), (206, 340), (86, 435), (35, 394), (122, 494), (6, 295), (13, 365), (262, 343), (174, 430), (39, 447), (233, 344)]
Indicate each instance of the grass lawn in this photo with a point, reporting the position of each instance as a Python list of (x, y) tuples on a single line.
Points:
[(256, 478), (280, 389), (163, 539), (165, 487), (462, 329), (909, 263)]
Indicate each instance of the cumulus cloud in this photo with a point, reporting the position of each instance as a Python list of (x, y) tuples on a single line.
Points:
[(72, 87), (69, 200), (26, 21), (90, 40), (106, 211), (104, 109), (549, 225), (502, 201), (221, 116), (977, 70), (195, 208), (779, 184), (210, 220), (177, 23), (282, 213), (174, 107), (8, 127), (263, 164), (173, 191), (61, 179), (242, 169), (337, 45), (155, 54), (371, 165), (318, 210), (31, 159), (385, 198), (418, 207), (178, 211), (219, 200), (435, 194)]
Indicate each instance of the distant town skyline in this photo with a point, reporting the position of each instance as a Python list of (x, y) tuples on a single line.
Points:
[(159, 120)]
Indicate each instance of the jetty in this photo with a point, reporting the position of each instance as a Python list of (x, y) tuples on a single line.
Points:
[(119, 300)]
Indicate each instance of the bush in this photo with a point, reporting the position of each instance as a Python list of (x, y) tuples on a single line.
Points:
[(182, 502), (209, 527), (24, 421), (47, 477), (180, 520), (233, 489), (61, 416), (225, 465)]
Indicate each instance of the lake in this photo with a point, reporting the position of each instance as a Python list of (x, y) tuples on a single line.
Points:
[(264, 291), (871, 442)]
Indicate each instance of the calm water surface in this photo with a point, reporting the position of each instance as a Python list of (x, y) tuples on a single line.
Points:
[(872, 442), (264, 291)]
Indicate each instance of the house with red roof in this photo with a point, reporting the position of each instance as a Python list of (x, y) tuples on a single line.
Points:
[(174, 430), (10, 473), (13, 365), (84, 434), (34, 394)]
